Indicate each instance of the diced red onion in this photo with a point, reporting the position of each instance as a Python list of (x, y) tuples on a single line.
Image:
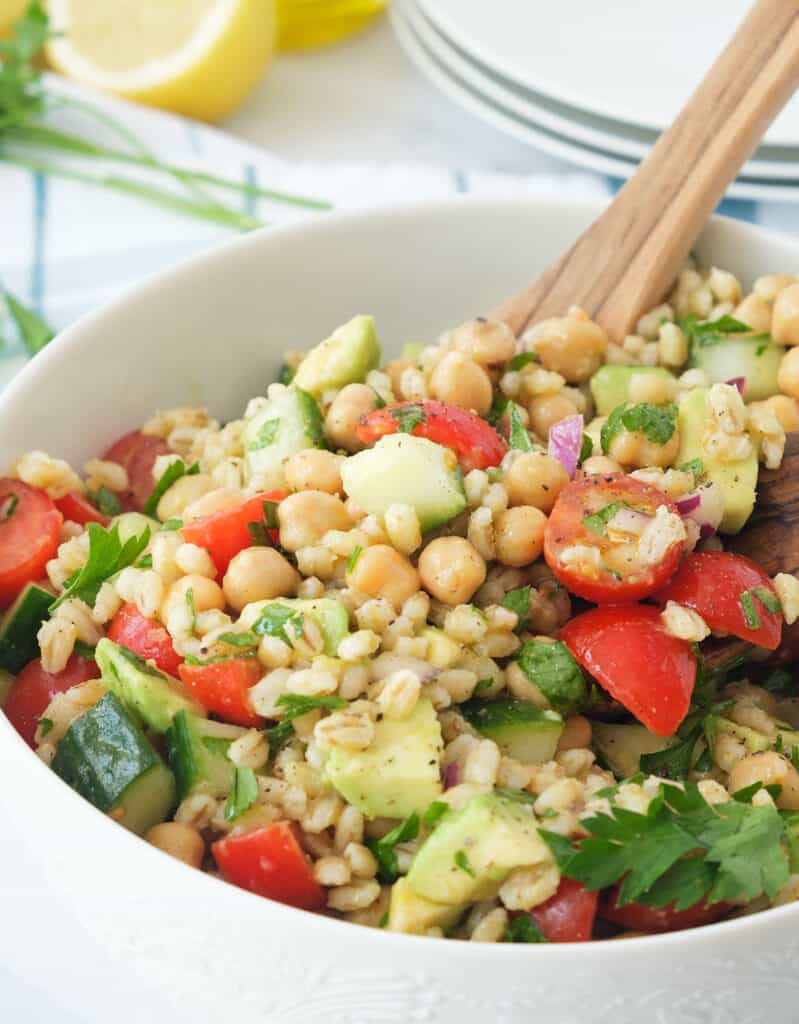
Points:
[(705, 506), (565, 442), (452, 775), (705, 531), (688, 504), (738, 382)]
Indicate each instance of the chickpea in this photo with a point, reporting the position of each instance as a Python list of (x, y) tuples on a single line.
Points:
[(755, 312), (381, 571), (788, 375), (572, 345), (631, 448), (211, 502), (461, 381), (488, 342), (546, 410), (352, 402), (314, 470), (598, 465), (576, 734), (750, 694), (769, 768), (535, 479), (519, 535), (785, 318), (207, 594), (304, 518), (178, 840), (395, 370), (258, 574), (183, 492), (786, 410), (451, 569)]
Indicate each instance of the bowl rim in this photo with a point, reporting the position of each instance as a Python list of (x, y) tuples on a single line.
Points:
[(67, 345)]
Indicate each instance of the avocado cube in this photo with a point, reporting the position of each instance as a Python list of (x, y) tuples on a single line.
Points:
[(412, 914), (350, 352)]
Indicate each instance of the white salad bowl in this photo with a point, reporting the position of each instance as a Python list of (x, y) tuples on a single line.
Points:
[(98, 926)]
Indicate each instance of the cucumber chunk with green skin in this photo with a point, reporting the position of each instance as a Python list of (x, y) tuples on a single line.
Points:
[(329, 615), (150, 693), (520, 730), (133, 524), (553, 669), (758, 362), (412, 914), (18, 643), (621, 745), (106, 758), (346, 357), (399, 773), (407, 469), (610, 385), (6, 682), (197, 750), (473, 850), (737, 480), (289, 422)]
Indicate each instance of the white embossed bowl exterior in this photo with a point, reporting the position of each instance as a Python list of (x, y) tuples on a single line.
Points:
[(105, 928)]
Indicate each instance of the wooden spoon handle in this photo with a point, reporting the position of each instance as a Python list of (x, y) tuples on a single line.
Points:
[(626, 261)]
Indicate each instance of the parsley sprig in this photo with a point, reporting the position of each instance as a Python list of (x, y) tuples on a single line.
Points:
[(656, 422), (107, 556)]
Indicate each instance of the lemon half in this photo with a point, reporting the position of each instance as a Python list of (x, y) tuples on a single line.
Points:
[(196, 57)]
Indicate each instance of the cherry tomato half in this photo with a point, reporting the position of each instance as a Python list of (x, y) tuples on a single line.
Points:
[(80, 510), (137, 452), (475, 443), (226, 532), (569, 915), (224, 688), (613, 569), (33, 689), (145, 637), (30, 525), (649, 671), (714, 583), (640, 918)]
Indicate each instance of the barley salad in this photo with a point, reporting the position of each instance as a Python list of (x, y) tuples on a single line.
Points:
[(423, 646)]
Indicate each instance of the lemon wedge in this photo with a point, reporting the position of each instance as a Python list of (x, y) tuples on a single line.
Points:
[(195, 57)]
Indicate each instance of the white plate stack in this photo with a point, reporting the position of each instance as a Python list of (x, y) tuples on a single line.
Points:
[(592, 83)]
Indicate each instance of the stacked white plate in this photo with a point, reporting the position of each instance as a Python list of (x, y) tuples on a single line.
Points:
[(591, 83)]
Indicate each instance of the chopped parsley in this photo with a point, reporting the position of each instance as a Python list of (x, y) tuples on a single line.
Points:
[(385, 849), (408, 416), (273, 621), (522, 359), (518, 437), (146, 562), (517, 601), (140, 664), (586, 449), (171, 524), (85, 651), (518, 796), (296, 705), (352, 561), (45, 725), (598, 522), (286, 374), (239, 639), (105, 501), (434, 813), (189, 598), (751, 616), (243, 793), (716, 331), (498, 409), (174, 471), (483, 684), (695, 466), (8, 506), (768, 599), (259, 535), (462, 861), (656, 422), (552, 668), (523, 928), (107, 556)]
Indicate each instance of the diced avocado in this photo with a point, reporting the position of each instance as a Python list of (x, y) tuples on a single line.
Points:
[(106, 758), (610, 385), (412, 914), (6, 682), (473, 850), (442, 651), (289, 422), (412, 350), (553, 669), (154, 696), (329, 615), (758, 362), (621, 745), (407, 469), (737, 480), (350, 352), (197, 750), (399, 772), (519, 729), (753, 740), (18, 643), (133, 524)]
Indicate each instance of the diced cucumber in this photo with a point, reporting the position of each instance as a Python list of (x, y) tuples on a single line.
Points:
[(610, 385), (350, 352), (622, 744), (6, 682), (18, 643), (197, 750), (329, 615), (758, 362), (154, 696), (519, 729), (407, 469), (133, 524), (106, 758), (289, 423)]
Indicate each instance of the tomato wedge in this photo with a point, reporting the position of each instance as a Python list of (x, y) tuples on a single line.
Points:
[(30, 525), (144, 637), (223, 687), (569, 915), (728, 591), (612, 568), (270, 862), (476, 444), (137, 452), (33, 689), (80, 510), (640, 918), (226, 532), (627, 648)]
